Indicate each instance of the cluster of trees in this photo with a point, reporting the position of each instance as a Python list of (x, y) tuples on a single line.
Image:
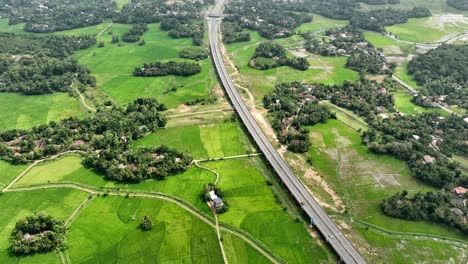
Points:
[(40, 74), (377, 20), (111, 127), (458, 4), (349, 41), (396, 136), (443, 72), (194, 53), (133, 35), (167, 68), (49, 45), (56, 15), (183, 27), (146, 224), (294, 105), (153, 11), (136, 165), (290, 107), (232, 32), (271, 55), (373, 20), (38, 233), (431, 206), (272, 19)]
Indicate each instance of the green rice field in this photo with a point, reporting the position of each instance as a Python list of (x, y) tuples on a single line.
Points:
[(363, 179), (59, 203), (25, 111), (113, 66), (114, 237)]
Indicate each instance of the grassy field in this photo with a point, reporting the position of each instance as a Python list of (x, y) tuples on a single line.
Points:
[(436, 6), (252, 207), (113, 237), (9, 172), (363, 179), (320, 23), (402, 251), (24, 112), (201, 141), (60, 203), (113, 66), (329, 70), (404, 105), (239, 251), (186, 185), (425, 30)]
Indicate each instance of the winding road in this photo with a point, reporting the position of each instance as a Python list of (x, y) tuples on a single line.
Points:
[(321, 220)]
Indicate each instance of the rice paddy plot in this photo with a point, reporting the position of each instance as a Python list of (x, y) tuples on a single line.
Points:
[(25, 111), (239, 251), (59, 203), (114, 63), (363, 178), (201, 141), (114, 236), (8, 172), (254, 208), (426, 30), (68, 169), (397, 250)]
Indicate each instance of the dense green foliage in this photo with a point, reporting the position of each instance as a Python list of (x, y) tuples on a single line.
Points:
[(293, 105), (111, 127), (49, 45), (194, 53), (133, 35), (232, 32), (458, 4), (290, 107), (182, 27), (443, 72), (350, 42), (137, 165), (38, 233), (40, 74), (56, 15), (153, 11), (432, 206), (377, 20), (167, 68), (271, 55), (272, 19), (397, 137)]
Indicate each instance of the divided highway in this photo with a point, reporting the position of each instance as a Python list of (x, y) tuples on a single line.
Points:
[(322, 221)]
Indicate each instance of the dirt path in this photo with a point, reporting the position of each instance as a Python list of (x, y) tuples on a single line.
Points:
[(102, 31), (184, 205), (32, 166), (218, 233), (83, 101), (208, 169), (202, 112)]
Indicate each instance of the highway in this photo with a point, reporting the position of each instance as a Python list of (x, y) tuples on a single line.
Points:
[(322, 221)]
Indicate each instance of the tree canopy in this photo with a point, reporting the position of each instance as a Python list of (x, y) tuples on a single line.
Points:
[(443, 72), (167, 68), (37, 233)]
